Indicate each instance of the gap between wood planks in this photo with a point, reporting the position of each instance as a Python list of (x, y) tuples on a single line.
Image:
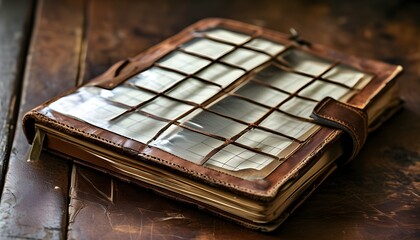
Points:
[(27, 8)]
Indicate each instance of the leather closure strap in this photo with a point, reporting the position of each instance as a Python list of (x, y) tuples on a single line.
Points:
[(354, 121)]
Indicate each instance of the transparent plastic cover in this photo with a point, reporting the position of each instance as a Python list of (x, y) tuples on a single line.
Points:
[(225, 100)]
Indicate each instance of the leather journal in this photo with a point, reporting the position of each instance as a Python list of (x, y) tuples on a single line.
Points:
[(236, 119)]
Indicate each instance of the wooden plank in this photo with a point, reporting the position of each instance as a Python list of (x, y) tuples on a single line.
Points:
[(125, 211), (15, 26), (34, 198), (113, 36)]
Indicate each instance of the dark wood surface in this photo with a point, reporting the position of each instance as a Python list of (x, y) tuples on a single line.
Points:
[(66, 43), (15, 21)]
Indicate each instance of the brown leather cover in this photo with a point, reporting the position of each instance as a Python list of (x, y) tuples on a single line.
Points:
[(263, 189), (354, 121)]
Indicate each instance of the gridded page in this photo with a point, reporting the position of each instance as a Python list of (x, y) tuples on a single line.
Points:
[(186, 144), (136, 126), (121, 94), (261, 94), (225, 99), (349, 76), (281, 79), (238, 108), (165, 108), (235, 158), (304, 62), (318, 89), (87, 107), (265, 46), (247, 59), (212, 123), (207, 47), (194, 90), (265, 141), (221, 74), (227, 36), (156, 79), (290, 126), (298, 107), (183, 62)]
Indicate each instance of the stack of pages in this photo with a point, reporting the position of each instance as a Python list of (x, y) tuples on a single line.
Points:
[(242, 121)]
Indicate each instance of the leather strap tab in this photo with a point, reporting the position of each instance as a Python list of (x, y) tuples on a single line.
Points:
[(354, 121)]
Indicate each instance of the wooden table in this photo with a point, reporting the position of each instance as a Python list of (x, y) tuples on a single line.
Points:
[(47, 47)]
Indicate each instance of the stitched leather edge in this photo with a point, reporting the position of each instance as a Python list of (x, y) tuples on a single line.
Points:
[(332, 113)]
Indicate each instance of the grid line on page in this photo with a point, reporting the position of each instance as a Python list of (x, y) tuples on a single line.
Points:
[(214, 151), (248, 108), (216, 60)]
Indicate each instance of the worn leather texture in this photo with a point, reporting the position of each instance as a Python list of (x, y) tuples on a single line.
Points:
[(264, 189), (332, 113)]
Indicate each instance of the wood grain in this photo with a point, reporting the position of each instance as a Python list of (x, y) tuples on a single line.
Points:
[(34, 198), (15, 27)]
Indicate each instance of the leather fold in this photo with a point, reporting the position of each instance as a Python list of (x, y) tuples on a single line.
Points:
[(353, 121)]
